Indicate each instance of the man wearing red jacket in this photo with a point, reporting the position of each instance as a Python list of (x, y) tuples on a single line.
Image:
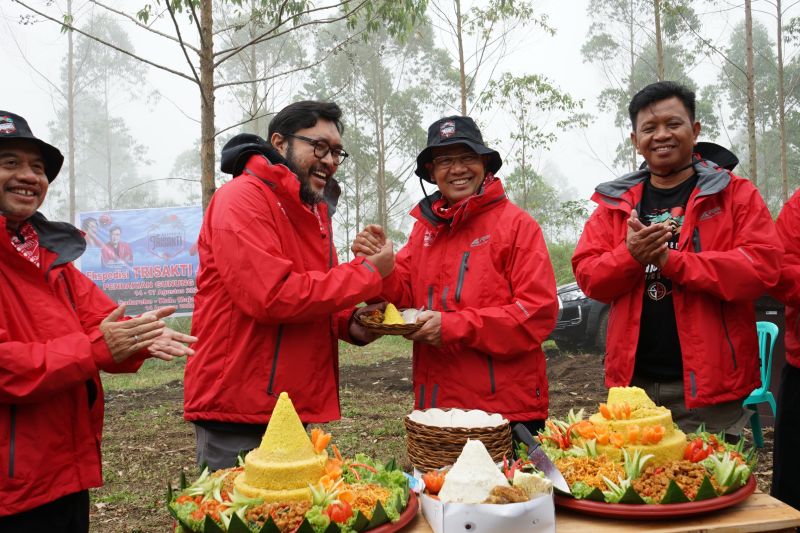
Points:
[(785, 460), (479, 266), (272, 300), (680, 249), (57, 331)]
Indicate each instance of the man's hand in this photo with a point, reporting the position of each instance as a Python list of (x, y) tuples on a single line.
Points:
[(359, 332), (369, 241), (170, 345), (648, 244), (384, 259), (129, 336), (431, 330)]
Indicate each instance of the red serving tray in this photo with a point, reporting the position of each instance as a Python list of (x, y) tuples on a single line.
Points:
[(629, 511)]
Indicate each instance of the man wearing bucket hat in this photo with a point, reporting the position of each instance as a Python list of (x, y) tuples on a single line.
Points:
[(57, 331), (680, 249), (479, 266)]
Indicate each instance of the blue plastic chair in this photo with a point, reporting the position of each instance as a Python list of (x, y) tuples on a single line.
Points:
[(767, 335)]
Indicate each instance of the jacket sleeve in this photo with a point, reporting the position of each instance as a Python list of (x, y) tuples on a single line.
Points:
[(262, 281), (34, 371), (93, 306), (522, 325), (749, 268), (604, 268), (788, 288), (397, 285)]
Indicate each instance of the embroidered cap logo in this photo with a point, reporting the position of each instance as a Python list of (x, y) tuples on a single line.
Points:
[(447, 129), (7, 126)]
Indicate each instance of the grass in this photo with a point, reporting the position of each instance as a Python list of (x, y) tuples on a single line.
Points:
[(153, 373), (387, 347)]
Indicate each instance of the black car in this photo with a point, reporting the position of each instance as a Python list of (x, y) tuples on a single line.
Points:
[(582, 322)]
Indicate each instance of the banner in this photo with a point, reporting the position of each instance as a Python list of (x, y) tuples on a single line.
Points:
[(146, 258)]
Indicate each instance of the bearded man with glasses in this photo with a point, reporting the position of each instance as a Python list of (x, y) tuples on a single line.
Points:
[(272, 300), (479, 266)]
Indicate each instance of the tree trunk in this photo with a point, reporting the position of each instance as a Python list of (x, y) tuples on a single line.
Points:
[(109, 177), (630, 76), (71, 117), (383, 218), (751, 93), (461, 67), (782, 109), (659, 46), (207, 133)]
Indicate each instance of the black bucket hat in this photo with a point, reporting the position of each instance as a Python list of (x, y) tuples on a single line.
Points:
[(13, 126), (455, 130)]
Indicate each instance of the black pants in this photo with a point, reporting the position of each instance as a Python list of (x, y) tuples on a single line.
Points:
[(785, 457), (69, 514)]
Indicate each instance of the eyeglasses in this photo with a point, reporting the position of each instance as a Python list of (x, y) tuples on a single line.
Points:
[(322, 148), (447, 161)]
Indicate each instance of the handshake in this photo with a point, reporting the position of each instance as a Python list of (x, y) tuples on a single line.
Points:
[(371, 243)]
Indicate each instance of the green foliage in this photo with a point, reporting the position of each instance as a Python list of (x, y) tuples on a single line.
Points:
[(732, 84), (621, 43), (561, 258)]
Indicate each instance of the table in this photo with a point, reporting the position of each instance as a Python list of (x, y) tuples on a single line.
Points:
[(759, 512)]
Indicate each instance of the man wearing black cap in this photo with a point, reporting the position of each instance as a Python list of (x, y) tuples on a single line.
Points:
[(272, 300), (680, 249), (57, 331), (479, 266)]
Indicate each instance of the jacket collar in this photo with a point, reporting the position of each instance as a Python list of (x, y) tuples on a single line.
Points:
[(486, 198), (288, 183), (61, 238), (711, 179)]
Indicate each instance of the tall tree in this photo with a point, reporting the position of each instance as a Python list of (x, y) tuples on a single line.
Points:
[(751, 92), (625, 42), (383, 86), (539, 110), (203, 59), (481, 34)]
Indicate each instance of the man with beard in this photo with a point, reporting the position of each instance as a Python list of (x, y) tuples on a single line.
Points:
[(272, 300)]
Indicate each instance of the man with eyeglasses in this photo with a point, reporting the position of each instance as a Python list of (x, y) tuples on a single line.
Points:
[(479, 266), (272, 300)]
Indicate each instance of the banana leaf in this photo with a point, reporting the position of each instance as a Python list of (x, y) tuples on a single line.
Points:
[(269, 527), (237, 525), (209, 526), (706, 490), (361, 523), (379, 516), (631, 496), (674, 494)]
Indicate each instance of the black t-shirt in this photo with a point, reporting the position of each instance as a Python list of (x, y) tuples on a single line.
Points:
[(658, 354)]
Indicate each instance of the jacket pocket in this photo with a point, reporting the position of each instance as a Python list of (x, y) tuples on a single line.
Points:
[(462, 272), (271, 384)]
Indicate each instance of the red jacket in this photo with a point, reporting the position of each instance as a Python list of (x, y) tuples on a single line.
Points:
[(788, 289), (728, 255), (489, 273), (271, 303), (51, 399)]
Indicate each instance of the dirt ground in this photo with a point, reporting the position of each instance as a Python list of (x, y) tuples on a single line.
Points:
[(147, 443)]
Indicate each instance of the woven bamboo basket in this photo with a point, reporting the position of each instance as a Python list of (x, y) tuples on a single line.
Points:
[(433, 447), (373, 321)]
